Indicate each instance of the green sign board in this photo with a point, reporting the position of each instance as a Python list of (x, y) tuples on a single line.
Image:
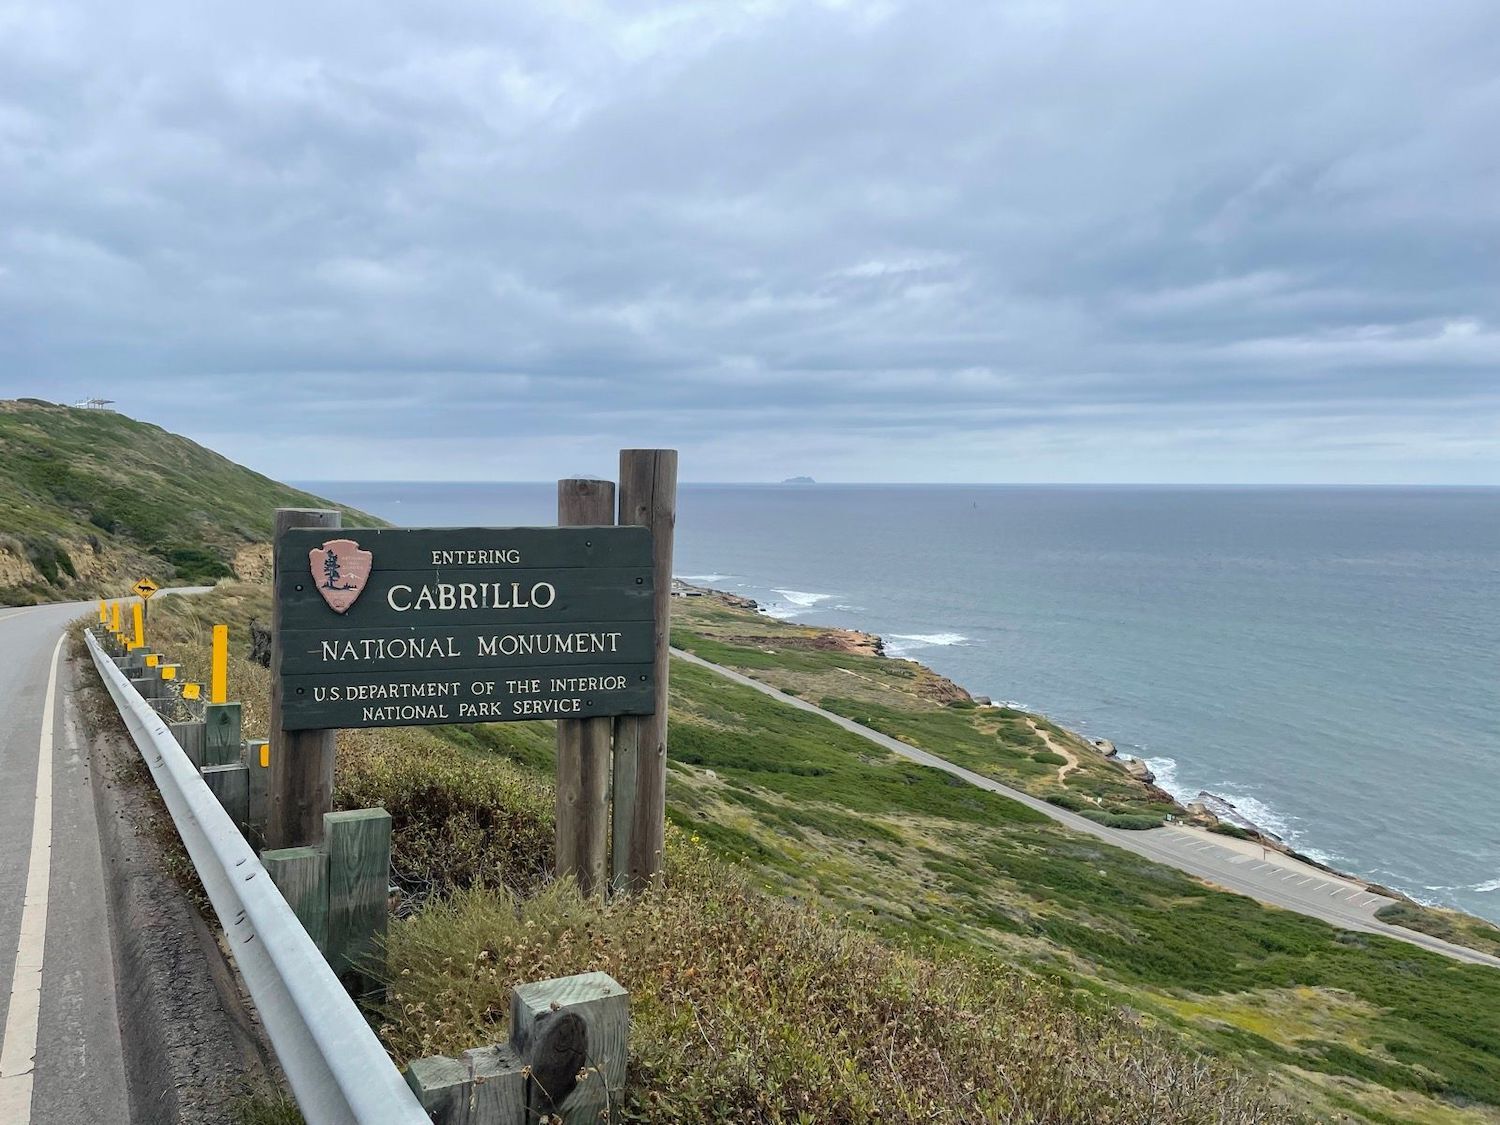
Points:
[(412, 626)]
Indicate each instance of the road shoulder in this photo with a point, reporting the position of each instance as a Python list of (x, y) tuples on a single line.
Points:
[(191, 1044)]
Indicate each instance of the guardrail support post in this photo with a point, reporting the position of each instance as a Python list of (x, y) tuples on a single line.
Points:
[(230, 784), (301, 875), (221, 745), (189, 736), (257, 759), (358, 845)]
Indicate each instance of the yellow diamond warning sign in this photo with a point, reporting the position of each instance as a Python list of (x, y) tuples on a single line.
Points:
[(145, 588)]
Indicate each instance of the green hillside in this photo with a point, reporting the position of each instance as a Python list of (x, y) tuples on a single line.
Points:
[(90, 500)]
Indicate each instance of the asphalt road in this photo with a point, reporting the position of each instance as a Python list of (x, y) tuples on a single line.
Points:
[(60, 1051), (1236, 865)]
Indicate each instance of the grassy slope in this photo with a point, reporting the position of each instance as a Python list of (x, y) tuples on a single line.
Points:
[(90, 500), (1344, 1023), (746, 1006)]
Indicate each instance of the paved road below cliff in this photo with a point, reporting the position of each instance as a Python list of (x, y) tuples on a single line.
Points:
[(1236, 865)]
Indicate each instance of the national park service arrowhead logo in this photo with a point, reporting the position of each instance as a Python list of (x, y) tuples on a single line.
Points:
[(339, 569)]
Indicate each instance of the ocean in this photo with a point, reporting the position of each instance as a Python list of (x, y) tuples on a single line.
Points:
[(1325, 659)]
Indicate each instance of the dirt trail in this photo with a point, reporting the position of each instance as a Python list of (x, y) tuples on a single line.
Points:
[(1057, 748)]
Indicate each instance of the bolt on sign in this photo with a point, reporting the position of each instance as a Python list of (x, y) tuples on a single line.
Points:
[(144, 588), (416, 627)]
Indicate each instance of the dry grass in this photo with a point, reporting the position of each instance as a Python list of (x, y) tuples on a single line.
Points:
[(750, 1008)]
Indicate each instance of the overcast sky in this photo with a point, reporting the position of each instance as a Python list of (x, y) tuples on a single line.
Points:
[(1079, 241)]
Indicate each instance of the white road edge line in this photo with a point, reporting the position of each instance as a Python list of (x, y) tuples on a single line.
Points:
[(18, 1042)]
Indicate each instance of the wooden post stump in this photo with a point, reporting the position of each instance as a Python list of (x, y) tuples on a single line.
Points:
[(499, 1085), (565, 1061), (565, 1028), (443, 1088)]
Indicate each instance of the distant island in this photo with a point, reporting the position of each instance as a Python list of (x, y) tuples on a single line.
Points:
[(799, 480)]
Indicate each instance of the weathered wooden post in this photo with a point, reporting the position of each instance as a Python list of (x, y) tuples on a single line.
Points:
[(648, 497), (583, 745), (358, 846), (222, 744), (301, 782), (301, 875), (189, 736), (257, 759), (565, 1062)]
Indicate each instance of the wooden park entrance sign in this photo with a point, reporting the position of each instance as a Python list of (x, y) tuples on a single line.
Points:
[(416, 627), (408, 626)]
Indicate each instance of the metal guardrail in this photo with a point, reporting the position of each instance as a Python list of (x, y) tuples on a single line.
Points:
[(337, 1069)]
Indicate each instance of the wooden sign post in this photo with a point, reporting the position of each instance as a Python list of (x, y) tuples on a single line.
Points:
[(583, 745), (301, 782), (648, 498)]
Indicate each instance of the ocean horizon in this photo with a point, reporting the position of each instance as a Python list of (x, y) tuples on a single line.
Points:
[(1322, 657)]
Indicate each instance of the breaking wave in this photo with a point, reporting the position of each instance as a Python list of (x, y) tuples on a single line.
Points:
[(899, 644)]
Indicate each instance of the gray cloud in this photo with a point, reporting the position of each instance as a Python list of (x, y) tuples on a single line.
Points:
[(1055, 241)]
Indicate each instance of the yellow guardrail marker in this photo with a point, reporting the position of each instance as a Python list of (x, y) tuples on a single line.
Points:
[(152, 660), (218, 689), (114, 620), (103, 613), (169, 671), (138, 620), (191, 691), (265, 755)]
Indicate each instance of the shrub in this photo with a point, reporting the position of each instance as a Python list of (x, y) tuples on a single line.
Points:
[(1224, 828), (457, 820), (197, 565), (51, 560), (1070, 801), (1048, 758), (1130, 822)]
